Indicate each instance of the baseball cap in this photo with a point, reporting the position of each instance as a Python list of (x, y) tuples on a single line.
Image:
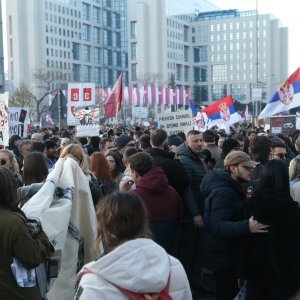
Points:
[(239, 158)]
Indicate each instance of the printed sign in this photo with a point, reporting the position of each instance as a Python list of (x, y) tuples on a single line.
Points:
[(283, 124), (18, 121), (87, 121), (81, 94), (140, 112), (180, 121), (4, 128)]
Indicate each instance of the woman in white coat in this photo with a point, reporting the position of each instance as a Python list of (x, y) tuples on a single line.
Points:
[(132, 266)]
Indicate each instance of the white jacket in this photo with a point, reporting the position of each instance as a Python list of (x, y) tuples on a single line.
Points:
[(140, 266)]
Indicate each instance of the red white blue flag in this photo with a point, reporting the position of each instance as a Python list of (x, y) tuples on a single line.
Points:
[(222, 112), (286, 97)]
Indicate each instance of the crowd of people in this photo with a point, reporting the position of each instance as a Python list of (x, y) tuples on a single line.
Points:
[(169, 209)]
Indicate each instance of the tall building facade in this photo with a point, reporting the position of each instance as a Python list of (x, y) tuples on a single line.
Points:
[(70, 40), (2, 77), (159, 40), (237, 53), (214, 52)]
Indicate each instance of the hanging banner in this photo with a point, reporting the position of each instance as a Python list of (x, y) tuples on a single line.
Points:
[(87, 121), (140, 112), (18, 121), (81, 94), (4, 128), (180, 121), (71, 115)]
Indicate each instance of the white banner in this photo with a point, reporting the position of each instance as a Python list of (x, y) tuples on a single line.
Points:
[(140, 112), (87, 121), (179, 121), (18, 121), (4, 129), (81, 94)]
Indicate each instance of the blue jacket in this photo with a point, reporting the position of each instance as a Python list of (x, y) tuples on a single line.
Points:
[(223, 224)]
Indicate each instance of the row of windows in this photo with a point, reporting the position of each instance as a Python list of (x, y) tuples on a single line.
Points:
[(237, 46), (236, 57), (61, 9), (58, 53), (235, 25), (231, 36), (63, 32), (62, 20)]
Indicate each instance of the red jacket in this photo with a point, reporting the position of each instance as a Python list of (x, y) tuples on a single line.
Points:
[(161, 200)]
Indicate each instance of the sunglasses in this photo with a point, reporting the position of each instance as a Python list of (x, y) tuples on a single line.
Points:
[(280, 155), (3, 162)]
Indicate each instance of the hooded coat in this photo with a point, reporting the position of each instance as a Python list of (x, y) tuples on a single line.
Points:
[(140, 266), (223, 224), (163, 206), (174, 171), (272, 259)]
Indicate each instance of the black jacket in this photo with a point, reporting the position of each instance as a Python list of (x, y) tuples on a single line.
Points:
[(223, 224), (174, 171), (273, 257), (195, 170)]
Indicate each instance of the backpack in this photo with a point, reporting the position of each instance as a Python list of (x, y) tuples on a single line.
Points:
[(97, 189)]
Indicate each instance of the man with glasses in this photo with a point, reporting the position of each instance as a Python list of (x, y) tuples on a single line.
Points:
[(278, 151), (123, 142), (223, 223)]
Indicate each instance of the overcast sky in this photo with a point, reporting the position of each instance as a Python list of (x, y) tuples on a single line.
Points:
[(287, 11)]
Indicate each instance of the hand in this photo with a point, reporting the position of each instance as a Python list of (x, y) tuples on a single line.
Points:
[(173, 148), (125, 185), (256, 227), (198, 222)]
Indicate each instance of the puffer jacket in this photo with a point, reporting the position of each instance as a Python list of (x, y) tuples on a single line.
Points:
[(223, 224), (195, 170), (140, 266)]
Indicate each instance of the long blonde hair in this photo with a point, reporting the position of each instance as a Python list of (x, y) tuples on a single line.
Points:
[(77, 151), (294, 168)]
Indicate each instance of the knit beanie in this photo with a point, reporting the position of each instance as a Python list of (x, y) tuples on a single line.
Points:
[(123, 140)]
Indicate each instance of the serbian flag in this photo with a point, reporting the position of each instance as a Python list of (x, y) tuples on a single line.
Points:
[(222, 112), (286, 97), (114, 102)]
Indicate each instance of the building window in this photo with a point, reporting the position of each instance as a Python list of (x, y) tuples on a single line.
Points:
[(86, 53), (186, 73), (107, 18), (186, 33), (133, 30), (76, 72), (85, 11), (96, 15), (201, 93), (133, 51), (219, 91), (97, 56), (96, 35), (86, 32), (219, 73), (133, 72), (200, 74), (76, 51), (186, 53), (178, 72), (97, 75), (107, 38), (87, 73)]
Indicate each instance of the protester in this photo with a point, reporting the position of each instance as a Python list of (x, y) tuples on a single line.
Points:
[(228, 146), (162, 202), (34, 168), (223, 224), (133, 265), (163, 158), (294, 174), (8, 160), (127, 173), (105, 145), (24, 148), (270, 262), (52, 154), (116, 165), (209, 143), (100, 168), (21, 250), (191, 244)]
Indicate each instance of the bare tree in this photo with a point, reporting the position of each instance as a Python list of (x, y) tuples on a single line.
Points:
[(46, 80)]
